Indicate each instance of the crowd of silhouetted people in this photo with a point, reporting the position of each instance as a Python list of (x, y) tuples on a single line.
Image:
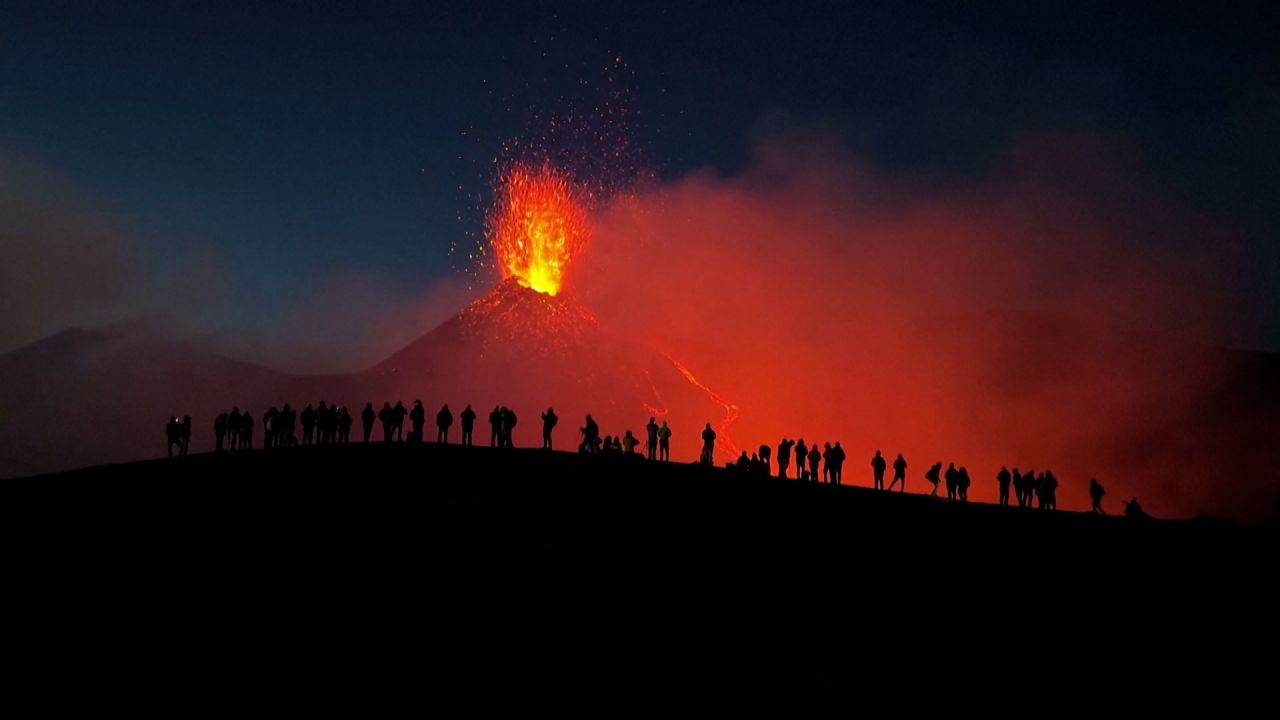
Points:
[(326, 424)]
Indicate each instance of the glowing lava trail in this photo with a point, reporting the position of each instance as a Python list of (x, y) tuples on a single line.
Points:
[(538, 225), (724, 441)]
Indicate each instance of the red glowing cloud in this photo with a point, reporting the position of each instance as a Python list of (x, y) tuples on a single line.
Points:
[(1024, 320)]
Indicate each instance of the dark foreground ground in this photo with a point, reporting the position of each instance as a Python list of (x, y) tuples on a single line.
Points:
[(547, 581)]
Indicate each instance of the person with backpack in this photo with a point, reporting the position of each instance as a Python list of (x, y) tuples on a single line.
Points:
[(549, 421)]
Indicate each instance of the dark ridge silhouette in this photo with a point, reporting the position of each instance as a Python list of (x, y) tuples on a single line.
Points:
[(376, 560)]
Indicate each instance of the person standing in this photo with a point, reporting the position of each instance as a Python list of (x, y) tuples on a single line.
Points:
[(708, 446), (899, 473), (877, 470), (651, 439), (468, 418), (664, 442), (549, 420)]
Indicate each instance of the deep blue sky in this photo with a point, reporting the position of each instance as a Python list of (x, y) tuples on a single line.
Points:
[(303, 137)]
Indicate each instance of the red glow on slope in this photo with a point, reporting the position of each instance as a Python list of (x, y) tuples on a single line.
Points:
[(730, 409)]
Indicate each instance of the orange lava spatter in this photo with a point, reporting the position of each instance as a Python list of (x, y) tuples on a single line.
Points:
[(538, 225)]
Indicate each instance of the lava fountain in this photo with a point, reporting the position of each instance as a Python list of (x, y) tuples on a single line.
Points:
[(537, 226)]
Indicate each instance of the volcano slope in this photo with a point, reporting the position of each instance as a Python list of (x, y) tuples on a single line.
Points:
[(465, 569)]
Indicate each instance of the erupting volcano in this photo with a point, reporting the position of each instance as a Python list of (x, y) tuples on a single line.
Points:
[(537, 227), (530, 344)]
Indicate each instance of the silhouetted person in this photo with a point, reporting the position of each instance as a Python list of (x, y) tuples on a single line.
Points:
[(1049, 491), (367, 416), (708, 445), (344, 425), (246, 430), (1028, 488), (387, 417), (802, 457), (417, 419), (899, 474), (590, 434), (744, 463), (608, 445), (1133, 510), (784, 456), (549, 420), (952, 480), (173, 435), (815, 457), (1017, 485), (629, 443), (184, 433), (495, 426), (269, 428), (962, 484), (878, 466), (219, 431), (664, 442), (508, 426), (837, 463), (826, 462), (651, 439), (397, 421), (308, 418), (468, 418), (322, 424), (1003, 479), (766, 457), (933, 476), (444, 420), (1095, 493), (233, 428), (288, 422)]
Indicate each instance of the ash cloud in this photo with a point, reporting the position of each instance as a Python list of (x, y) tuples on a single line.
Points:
[(64, 260), (1061, 312)]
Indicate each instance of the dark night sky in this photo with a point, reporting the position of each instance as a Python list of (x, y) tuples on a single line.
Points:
[(296, 138)]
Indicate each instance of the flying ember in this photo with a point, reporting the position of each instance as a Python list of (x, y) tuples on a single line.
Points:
[(538, 225)]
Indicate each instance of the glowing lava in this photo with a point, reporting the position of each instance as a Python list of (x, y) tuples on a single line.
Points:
[(538, 225)]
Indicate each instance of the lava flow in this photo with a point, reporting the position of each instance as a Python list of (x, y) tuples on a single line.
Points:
[(537, 227)]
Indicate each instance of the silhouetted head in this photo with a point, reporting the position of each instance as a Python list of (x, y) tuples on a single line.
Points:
[(417, 403), (368, 406), (951, 466), (877, 453), (664, 423), (651, 418), (826, 445), (386, 405), (629, 434), (708, 426)]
